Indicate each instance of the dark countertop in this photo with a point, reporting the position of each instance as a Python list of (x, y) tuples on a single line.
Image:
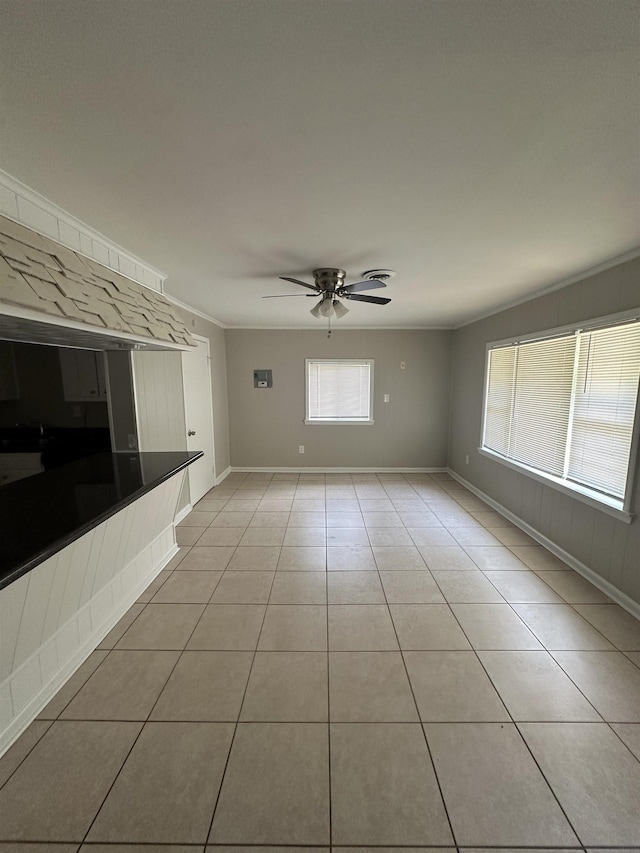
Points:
[(42, 514), (56, 445)]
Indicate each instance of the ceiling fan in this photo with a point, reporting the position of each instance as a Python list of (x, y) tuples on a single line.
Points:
[(329, 285)]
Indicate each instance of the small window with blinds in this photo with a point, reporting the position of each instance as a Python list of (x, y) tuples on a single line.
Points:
[(339, 391), (564, 408)]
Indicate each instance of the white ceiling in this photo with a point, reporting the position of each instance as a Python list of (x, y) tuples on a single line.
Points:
[(484, 150)]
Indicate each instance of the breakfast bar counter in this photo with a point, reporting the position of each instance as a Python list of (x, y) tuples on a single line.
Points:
[(79, 543), (42, 514)]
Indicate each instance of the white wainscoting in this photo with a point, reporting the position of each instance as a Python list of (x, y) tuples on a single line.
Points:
[(53, 617)]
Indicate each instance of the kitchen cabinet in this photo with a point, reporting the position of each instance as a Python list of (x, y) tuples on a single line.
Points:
[(83, 375)]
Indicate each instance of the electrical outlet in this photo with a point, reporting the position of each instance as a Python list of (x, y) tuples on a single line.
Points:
[(301, 448), (132, 440), (466, 459), (386, 398), (403, 365)]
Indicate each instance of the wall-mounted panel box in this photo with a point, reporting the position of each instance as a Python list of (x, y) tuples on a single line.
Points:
[(262, 379)]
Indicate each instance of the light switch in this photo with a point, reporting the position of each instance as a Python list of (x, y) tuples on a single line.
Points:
[(386, 398)]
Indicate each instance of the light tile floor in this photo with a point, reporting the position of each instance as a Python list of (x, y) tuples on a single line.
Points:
[(343, 662)]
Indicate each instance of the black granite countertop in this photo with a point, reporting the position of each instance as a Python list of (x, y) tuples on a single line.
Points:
[(42, 514)]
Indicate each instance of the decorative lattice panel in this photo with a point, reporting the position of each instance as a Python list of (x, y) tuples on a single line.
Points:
[(37, 273)]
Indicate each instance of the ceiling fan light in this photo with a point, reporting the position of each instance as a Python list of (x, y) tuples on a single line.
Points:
[(316, 310), (326, 307), (340, 308)]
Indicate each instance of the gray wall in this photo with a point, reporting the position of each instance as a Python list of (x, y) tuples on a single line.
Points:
[(607, 546), (267, 425)]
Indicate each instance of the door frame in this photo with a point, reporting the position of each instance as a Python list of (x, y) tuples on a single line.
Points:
[(202, 340)]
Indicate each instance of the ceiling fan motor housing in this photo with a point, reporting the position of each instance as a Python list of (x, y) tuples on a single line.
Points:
[(329, 279)]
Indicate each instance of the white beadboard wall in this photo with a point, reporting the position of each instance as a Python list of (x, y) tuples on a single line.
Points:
[(53, 617), (24, 205), (159, 400)]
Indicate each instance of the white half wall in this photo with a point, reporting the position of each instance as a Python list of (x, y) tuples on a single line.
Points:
[(54, 616)]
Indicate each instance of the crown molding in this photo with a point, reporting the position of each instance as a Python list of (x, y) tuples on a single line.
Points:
[(631, 255), (340, 328), (193, 310), (27, 207)]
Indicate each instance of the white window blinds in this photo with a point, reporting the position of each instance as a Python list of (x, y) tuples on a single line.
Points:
[(542, 397), (565, 406), (339, 391), (605, 401)]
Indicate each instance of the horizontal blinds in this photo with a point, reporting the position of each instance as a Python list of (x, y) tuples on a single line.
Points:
[(566, 405), (544, 376), (500, 396), (339, 390), (604, 408)]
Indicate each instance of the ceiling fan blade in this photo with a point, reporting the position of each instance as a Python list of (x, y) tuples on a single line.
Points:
[(287, 295), (301, 283), (372, 284), (377, 300)]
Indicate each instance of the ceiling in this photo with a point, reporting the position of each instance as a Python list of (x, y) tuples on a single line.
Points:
[(483, 150)]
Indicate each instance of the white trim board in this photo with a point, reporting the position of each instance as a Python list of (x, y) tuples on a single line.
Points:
[(224, 475), (631, 606), (242, 470), (182, 513), (27, 207)]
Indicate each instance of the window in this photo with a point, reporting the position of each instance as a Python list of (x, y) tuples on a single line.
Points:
[(563, 408), (339, 391)]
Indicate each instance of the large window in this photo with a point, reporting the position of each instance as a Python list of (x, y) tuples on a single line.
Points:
[(563, 407), (339, 391)]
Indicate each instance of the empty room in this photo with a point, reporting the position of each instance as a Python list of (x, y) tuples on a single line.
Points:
[(360, 573)]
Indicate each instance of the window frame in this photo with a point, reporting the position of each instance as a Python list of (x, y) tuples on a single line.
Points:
[(620, 509), (341, 421)]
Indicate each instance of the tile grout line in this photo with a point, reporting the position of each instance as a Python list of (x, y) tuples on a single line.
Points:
[(237, 722), (415, 702), (136, 739), (144, 722)]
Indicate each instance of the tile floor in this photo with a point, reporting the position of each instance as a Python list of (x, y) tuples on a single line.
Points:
[(339, 663)]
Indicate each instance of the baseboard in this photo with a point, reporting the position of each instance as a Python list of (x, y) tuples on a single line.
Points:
[(39, 701), (224, 475), (182, 513), (248, 470), (572, 562)]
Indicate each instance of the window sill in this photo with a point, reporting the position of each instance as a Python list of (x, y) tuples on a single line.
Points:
[(343, 422), (610, 506)]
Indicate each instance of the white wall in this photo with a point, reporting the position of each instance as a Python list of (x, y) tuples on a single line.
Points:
[(159, 397), (605, 545)]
